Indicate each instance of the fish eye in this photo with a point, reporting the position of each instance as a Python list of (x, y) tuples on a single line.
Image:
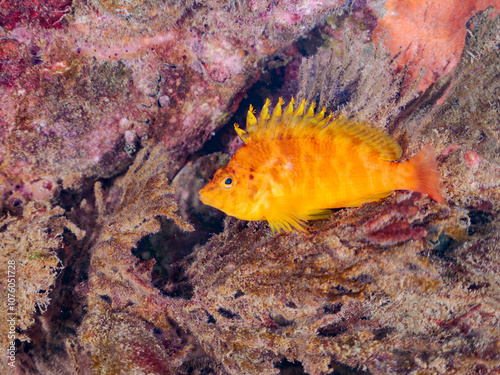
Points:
[(228, 182)]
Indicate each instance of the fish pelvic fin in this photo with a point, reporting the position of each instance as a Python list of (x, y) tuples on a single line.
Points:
[(286, 216), (426, 173), (318, 214)]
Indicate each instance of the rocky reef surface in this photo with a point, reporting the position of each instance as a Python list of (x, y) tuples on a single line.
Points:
[(119, 271)]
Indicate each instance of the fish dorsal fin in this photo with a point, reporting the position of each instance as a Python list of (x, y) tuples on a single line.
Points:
[(304, 123), (374, 139)]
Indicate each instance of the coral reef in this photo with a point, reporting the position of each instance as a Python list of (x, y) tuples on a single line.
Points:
[(341, 294), (103, 103), (46, 13), (82, 94), (30, 247), (121, 343), (121, 296), (116, 71)]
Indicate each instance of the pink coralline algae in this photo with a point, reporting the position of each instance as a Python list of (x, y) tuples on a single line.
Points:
[(14, 59), (472, 159)]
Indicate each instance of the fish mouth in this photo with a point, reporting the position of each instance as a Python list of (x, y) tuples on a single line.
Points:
[(206, 201)]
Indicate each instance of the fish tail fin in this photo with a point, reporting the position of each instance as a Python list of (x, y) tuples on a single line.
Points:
[(426, 173)]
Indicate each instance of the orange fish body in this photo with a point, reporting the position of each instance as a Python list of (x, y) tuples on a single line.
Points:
[(295, 166)]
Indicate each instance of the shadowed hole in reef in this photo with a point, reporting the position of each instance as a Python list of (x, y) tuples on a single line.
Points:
[(479, 222), (332, 308), (210, 318), (202, 365), (295, 368), (270, 85), (228, 314), (443, 247), (332, 330), (382, 333), (280, 320), (289, 368), (340, 369), (167, 247)]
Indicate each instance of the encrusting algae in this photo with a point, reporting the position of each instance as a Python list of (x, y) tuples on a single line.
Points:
[(296, 165)]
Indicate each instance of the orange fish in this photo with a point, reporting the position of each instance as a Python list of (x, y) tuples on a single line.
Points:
[(296, 165)]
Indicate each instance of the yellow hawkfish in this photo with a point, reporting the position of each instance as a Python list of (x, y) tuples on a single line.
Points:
[(296, 165)]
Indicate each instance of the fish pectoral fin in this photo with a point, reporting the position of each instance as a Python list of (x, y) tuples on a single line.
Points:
[(286, 223), (283, 216), (368, 199), (278, 225)]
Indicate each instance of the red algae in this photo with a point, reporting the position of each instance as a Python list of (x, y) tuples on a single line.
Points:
[(472, 159), (47, 13), (14, 60), (428, 34)]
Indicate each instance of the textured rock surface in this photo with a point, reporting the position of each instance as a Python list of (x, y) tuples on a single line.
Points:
[(400, 286), (173, 73)]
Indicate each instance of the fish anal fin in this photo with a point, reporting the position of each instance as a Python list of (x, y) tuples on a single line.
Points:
[(367, 199), (318, 214)]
